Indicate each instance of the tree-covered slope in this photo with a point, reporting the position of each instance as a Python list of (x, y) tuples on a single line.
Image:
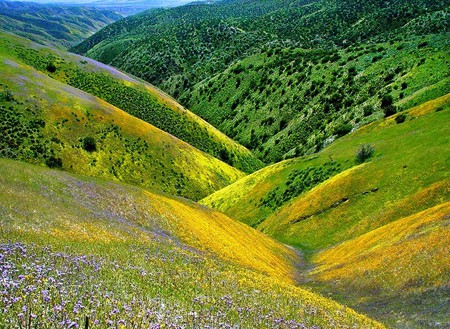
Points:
[(55, 25), (288, 102), (93, 253), (286, 78), (349, 198), (133, 96), (48, 122), (179, 47)]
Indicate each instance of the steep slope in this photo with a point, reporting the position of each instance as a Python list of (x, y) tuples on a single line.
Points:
[(289, 77), (409, 158), (133, 96), (106, 254), (283, 103), (385, 263), (366, 229), (179, 47), (55, 25), (45, 121), (293, 197)]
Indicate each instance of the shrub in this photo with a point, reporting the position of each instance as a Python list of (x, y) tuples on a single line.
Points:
[(368, 110), (422, 45), (364, 153), (53, 162), (386, 100), (400, 118), (7, 95), (51, 67), (89, 144), (389, 110), (224, 156), (387, 105), (343, 129)]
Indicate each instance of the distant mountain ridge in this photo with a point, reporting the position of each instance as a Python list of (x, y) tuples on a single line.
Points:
[(51, 24)]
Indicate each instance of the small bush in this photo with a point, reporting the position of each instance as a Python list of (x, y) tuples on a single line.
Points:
[(364, 153), (389, 110), (51, 67), (400, 118), (53, 162), (7, 95), (386, 100), (89, 144), (422, 45), (343, 129), (368, 110), (387, 105)]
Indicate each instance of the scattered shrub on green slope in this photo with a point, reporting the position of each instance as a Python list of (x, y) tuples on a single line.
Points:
[(288, 106), (299, 181), (137, 101), (364, 153), (89, 144), (177, 48), (56, 125), (53, 24)]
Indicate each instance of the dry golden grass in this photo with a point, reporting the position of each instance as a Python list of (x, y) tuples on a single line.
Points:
[(387, 258)]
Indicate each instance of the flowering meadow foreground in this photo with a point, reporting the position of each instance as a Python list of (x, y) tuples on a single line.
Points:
[(157, 287), (76, 250)]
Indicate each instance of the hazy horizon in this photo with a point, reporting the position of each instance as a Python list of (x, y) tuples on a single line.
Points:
[(123, 7), (100, 2)]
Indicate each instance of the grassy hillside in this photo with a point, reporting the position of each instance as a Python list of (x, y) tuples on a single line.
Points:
[(55, 25), (133, 96), (386, 263), (274, 196), (47, 122), (329, 203), (289, 102), (409, 158), (114, 255)]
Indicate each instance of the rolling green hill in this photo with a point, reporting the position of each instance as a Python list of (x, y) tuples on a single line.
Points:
[(285, 78), (88, 250), (289, 102), (54, 25), (329, 203), (349, 103), (179, 47), (48, 122), (133, 96)]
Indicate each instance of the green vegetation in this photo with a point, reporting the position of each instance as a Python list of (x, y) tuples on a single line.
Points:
[(179, 47), (87, 250), (364, 152), (285, 78), (44, 121), (138, 99), (288, 103), (299, 181), (53, 25), (408, 173), (349, 99)]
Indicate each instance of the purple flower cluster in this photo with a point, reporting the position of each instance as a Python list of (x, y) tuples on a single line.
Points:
[(150, 288)]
